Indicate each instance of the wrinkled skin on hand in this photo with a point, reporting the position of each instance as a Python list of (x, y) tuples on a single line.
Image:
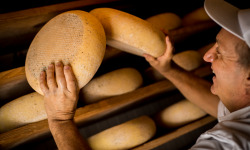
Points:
[(61, 92)]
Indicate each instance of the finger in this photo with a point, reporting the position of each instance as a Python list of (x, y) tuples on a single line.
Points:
[(149, 58), (169, 49), (60, 78), (51, 82), (43, 83), (72, 84)]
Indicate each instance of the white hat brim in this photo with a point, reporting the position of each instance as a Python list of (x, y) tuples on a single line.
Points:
[(225, 15)]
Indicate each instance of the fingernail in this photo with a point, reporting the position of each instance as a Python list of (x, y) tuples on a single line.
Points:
[(51, 65), (58, 63), (66, 67)]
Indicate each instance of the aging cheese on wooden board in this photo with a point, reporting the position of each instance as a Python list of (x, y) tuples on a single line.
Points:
[(179, 114), (165, 21), (196, 16), (21, 111), (124, 136), (130, 33), (188, 60), (75, 37), (113, 83)]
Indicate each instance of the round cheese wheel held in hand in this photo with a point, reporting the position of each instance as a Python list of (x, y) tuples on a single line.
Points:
[(74, 37), (113, 83), (130, 33), (124, 136), (21, 111)]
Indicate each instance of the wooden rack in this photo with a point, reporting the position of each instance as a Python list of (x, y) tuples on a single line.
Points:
[(18, 29)]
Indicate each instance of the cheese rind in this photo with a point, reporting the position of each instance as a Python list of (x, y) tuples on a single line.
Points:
[(179, 114), (165, 21), (113, 83), (125, 135), (73, 37), (188, 60), (130, 33), (196, 16), (21, 111)]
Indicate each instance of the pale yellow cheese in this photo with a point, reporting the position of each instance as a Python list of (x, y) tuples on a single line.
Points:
[(74, 37), (165, 21), (188, 60), (130, 33), (124, 136), (21, 111), (113, 83), (196, 16), (179, 114)]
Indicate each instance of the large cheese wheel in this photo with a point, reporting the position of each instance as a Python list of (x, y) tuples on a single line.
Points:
[(130, 33), (165, 21), (188, 60), (21, 111), (179, 114), (125, 135), (74, 37), (196, 16), (113, 83)]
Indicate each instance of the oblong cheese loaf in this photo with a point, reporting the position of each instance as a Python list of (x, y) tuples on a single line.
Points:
[(130, 33), (113, 83), (188, 60), (125, 135), (165, 21), (74, 37), (21, 111), (178, 114), (196, 16)]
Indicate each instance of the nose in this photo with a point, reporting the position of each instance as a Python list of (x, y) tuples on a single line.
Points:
[(210, 55)]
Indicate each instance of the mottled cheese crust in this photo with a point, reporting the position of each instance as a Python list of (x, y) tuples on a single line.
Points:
[(113, 83), (74, 37)]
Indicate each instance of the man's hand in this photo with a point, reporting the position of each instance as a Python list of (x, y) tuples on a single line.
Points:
[(162, 63), (60, 92)]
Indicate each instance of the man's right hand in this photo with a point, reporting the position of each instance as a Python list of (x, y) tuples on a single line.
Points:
[(163, 63)]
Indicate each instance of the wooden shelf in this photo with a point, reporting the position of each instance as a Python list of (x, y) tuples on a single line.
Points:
[(92, 112)]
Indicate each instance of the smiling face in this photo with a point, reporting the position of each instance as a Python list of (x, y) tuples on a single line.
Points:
[(230, 79)]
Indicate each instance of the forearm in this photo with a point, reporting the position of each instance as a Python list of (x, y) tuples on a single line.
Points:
[(194, 88), (67, 135)]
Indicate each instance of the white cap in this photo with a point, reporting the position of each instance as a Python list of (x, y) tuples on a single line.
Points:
[(231, 18)]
